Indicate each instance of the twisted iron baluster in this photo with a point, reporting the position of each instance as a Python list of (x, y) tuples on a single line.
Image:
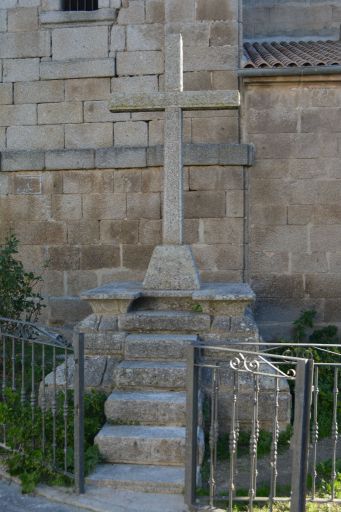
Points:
[(43, 398), (22, 393), (315, 428), (213, 436), (335, 430), (65, 410), (33, 394), (274, 448), (233, 440), (13, 365), (253, 443), (54, 407)]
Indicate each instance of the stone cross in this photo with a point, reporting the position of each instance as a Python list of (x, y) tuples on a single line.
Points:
[(172, 264)]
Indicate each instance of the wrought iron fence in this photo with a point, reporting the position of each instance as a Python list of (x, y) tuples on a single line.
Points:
[(80, 5), (262, 413), (42, 383)]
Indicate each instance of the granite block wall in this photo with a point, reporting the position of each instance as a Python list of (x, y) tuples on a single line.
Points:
[(294, 198)]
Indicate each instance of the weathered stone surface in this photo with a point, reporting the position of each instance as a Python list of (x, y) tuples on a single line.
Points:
[(120, 157), (146, 408), (159, 479), (150, 375), (142, 445), (22, 160), (77, 69), (79, 43), (35, 137), (70, 159), (157, 347), (166, 321), (172, 267)]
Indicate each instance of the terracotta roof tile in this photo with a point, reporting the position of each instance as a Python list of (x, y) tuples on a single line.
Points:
[(292, 54)]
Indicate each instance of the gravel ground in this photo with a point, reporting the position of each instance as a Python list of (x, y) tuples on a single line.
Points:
[(11, 500)]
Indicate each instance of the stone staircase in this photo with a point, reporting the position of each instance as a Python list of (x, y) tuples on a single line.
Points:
[(143, 442)]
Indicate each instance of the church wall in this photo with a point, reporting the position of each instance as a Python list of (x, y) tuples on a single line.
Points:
[(87, 221), (294, 190), (291, 18)]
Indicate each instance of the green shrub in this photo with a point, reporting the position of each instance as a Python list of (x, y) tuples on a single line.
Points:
[(18, 295), (28, 460)]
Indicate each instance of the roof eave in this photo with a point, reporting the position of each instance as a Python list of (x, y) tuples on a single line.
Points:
[(293, 71)]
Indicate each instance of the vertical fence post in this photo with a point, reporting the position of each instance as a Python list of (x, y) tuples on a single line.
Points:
[(300, 447), (79, 413), (192, 426)]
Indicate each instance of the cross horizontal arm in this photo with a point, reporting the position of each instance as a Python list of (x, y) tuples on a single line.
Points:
[(186, 100)]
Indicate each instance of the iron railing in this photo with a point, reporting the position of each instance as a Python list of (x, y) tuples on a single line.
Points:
[(239, 385), (80, 5), (42, 379)]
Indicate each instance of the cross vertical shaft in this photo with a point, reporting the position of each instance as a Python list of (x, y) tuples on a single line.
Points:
[(173, 161)]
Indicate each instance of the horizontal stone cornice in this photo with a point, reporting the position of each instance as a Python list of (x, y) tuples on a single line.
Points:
[(124, 157)]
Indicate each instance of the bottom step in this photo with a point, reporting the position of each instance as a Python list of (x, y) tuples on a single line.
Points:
[(154, 479)]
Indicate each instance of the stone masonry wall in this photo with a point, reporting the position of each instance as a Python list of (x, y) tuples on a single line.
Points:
[(93, 220), (291, 18), (294, 191)]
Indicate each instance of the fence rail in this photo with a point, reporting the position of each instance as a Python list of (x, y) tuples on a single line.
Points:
[(247, 394), (42, 382)]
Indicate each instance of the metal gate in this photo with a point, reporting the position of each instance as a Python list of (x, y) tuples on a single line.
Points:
[(243, 390)]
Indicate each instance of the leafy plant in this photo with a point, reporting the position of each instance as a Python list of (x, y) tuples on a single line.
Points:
[(18, 295), (30, 460)]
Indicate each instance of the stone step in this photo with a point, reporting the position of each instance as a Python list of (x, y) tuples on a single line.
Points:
[(142, 375), (132, 477), (147, 408), (158, 347), (130, 444), (165, 321)]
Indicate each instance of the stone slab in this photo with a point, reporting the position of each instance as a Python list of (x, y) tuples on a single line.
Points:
[(150, 375), (122, 157), (105, 500), (52, 18), (172, 267), (147, 408), (187, 100), (157, 347), (161, 479), (142, 445), (171, 321), (232, 291)]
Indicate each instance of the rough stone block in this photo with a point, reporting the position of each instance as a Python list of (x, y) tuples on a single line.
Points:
[(40, 233), (222, 231), (133, 13), (280, 238), (63, 258), (271, 214), (224, 80), (77, 69), (104, 206), (27, 185), (155, 11), (323, 285), (98, 112), (87, 135), (117, 38), (35, 137), (309, 262), (235, 203), (136, 257), (127, 181), (150, 232), (145, 37), (218, 257), (17, 70), (144, 83), (39, 92), (67, 206), (211, 58), (60, 113), (25, 207), (216, 10), (204, 204), (120, 157), (83, 232), (3, 20), (67, 310), (6, 94), (328, 237), (119, 231), (103, 256), (22, 20), (176, 10), (17, 115), (278, 285), (146, 205), (22, 161), (171, 321), (223, 33), (78, 182), (19, 45), (140, 63), (80, 43), (131, 133), (152, 180), (70, 159), (87, 89), (215, 130)]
